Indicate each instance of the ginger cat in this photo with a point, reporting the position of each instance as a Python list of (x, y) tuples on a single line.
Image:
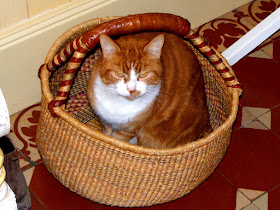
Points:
[(149, 87)]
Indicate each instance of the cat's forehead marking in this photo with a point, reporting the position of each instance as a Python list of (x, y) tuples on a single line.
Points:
[(132, 73), (136, 65), (127, 65)]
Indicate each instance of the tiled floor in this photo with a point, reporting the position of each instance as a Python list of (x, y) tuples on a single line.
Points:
[(248, 177)]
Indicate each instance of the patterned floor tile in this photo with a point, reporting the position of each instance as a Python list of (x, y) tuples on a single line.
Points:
[(265, 119), (256, 124), (23, 134), (257, 118), (257, 112), (262, 202), (223, 31), (260, 87), (252, 160), (54, 195), (275, 120), (260, 54), (273, 50), (23, 161), (258, 10), (28, 175), (241, 200), (251, 194), (247, 117), (251, 207)]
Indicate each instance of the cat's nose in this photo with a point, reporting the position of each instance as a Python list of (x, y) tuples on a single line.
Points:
[(131, 91)]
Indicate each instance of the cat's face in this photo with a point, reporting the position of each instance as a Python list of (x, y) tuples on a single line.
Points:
[(131, 69)]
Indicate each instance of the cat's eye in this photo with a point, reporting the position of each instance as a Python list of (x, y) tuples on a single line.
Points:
[(119, 74), (144, 74)]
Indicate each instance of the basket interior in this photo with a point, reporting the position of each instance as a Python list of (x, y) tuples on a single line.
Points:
[(218, 96)]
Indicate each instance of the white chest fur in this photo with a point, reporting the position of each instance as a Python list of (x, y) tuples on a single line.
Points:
[(116, 109)]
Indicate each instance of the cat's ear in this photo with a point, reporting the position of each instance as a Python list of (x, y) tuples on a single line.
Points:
[(109, 47), (154, 47)]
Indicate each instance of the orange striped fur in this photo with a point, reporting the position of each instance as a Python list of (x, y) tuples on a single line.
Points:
[(164, 63)]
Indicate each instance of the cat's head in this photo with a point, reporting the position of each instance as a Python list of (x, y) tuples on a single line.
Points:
[(131, 67)]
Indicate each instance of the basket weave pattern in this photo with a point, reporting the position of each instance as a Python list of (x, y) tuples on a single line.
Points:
[(116, 173)]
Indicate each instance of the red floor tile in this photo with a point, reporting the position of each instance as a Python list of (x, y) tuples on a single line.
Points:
[(54, 195), (35, 203), (215, 193), (275, 120), (252, 160), (237, 123), (259, 78), (273, 49), (273, 199), (276, 50)]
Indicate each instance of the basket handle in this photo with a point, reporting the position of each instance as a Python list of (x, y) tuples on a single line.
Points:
[(221, 64), (79, 47)]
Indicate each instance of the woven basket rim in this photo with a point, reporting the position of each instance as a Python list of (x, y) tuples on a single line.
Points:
[(121, 145)]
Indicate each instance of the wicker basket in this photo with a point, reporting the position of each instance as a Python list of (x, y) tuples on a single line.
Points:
[(107, 170)]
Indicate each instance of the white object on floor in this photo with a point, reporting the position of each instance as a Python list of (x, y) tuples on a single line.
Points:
[(4, 116), (7, 198), (253, 38)]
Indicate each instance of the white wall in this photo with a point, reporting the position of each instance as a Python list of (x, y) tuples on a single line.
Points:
[(23, 51)]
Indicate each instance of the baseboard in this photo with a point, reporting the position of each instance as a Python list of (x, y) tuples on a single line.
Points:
[(47, 21)]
